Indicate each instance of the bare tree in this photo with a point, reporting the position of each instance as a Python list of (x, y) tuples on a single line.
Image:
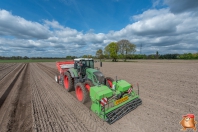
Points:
[(125, 48), (99, 54)]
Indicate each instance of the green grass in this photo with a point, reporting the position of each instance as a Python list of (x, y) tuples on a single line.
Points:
[(31, 60)]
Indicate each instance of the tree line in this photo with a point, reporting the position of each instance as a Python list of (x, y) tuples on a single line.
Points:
[(117, 50), (25, 58), (124, 49)]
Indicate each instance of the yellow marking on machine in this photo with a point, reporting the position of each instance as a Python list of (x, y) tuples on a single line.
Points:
[(117, 102)]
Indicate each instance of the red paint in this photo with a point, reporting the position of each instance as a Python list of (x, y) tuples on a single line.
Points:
[(66, 82), (63, 70), (110, 83), (189, 115), (103, 101), (79, 93), (87, 86)]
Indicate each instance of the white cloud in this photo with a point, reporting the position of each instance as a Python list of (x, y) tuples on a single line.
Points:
[(160, 30), (21, 28), (66, 32), (53, 24), (151, 13)]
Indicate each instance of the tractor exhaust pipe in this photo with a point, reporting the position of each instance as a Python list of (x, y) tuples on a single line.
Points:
[(138, 88)]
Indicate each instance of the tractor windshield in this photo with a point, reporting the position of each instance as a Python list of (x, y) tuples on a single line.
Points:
[(89, 63), (100, 77)]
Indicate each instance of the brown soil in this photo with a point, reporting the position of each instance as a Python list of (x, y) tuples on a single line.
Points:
[(31, 100)]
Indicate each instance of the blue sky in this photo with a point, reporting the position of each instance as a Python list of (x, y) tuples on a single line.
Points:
[(56, 28), (82, 15)]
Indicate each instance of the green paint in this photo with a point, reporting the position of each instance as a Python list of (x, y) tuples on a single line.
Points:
[(91, 76), (122, 85), (74, 71), (101, 91), (123, 103)]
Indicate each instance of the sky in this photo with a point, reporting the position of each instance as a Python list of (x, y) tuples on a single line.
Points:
[(59, 28)]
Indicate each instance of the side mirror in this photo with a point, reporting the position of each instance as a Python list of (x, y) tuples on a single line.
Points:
[(101, 64)]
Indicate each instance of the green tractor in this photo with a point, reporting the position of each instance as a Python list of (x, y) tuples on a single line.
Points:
[(110, 99)]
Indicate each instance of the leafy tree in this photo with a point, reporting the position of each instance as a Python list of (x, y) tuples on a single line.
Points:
[(157, 54), (169, 56), (112, 50), (87, 56), (107, 52), (106, 56), (99, 54), (25, 57), (120, 56), (125, 47), (70, 57)]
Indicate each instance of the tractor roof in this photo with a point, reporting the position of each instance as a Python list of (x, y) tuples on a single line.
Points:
[(78, 59)]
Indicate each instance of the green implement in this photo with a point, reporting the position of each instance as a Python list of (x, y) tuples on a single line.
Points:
[(113, 104), (110, 99)]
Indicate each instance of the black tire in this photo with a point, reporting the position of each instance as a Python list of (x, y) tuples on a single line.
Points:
[(56, 78), (81, 90), (68, 83), (107, 81)]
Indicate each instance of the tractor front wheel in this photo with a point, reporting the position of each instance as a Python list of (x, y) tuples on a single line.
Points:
[(88, 84), (82, 93), (109, 82), (68, 82)]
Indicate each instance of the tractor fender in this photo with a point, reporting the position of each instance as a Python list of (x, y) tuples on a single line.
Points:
[(73, 73)]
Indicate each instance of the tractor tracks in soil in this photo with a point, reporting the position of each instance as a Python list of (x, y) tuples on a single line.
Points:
[(50, 71), (31, 100), (6, 66), (55, 109), (15, 101), (6, 69)]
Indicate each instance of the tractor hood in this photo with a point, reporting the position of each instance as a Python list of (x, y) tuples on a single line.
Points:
[(99, 76)]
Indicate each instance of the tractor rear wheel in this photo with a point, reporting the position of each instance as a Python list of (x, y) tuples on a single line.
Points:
[(68, 82), (82, 93), (88, 84), (109, 82)]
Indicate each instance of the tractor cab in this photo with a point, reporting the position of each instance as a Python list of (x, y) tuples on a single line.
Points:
[(85, 62), (82, 63)]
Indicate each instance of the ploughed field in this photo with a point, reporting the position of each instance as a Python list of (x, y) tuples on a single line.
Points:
[(31, 100)]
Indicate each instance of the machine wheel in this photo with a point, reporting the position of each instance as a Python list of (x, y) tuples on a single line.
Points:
[(68, 82), (82, 93), (57, 78), (88, 84), (109, 81)]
